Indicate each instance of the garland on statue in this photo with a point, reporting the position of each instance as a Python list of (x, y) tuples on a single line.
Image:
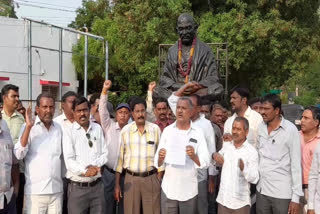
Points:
[(180, 69)]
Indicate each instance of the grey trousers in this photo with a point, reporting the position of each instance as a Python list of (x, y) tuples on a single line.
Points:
[(175, 207), (270, 205), (108, 180), (86, 200), (203, 197), (225, 210)]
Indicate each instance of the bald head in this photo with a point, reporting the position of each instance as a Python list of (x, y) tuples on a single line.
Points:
[(186, 28), (185, 17)]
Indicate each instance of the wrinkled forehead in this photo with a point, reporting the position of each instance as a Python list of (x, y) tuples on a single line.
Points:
[(185, 20)]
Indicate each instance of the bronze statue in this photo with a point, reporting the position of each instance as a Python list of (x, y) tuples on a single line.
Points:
[(189, 60)]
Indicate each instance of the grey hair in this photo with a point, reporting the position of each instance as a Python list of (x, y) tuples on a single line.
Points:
[(244, 121), (187, 99)]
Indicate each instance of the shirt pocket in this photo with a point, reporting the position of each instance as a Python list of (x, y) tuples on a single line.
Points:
[(6, 154)]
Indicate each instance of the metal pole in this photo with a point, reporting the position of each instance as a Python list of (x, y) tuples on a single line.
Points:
[(107, 60), (60, 67), (85, 86), (227, 73), (30, 64)]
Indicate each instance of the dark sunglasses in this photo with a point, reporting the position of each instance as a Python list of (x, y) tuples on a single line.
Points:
[(89, 140)]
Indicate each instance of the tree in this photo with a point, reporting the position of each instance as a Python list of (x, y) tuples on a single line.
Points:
[(134, 29), (7, 8), (269, 41)]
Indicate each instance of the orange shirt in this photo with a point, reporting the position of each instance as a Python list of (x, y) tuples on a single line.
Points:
[(307, 149)]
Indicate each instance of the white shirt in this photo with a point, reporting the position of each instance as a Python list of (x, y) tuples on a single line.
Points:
[(254, 119), (42, 154), (66, 125), (78, 155), (234, 190), (180, 182), (206, 127), (314, 181)]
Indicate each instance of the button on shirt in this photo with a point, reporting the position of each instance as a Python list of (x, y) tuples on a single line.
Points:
[(78, 155), (234, 191), (6, 160), (280, 161), (209, 135), (137, 149), (254, 119), (180, 182), (314, 181), (307, 149), (42, 154), (111, 131)]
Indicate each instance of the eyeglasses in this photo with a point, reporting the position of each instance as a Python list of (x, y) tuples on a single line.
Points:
[(89, 140)]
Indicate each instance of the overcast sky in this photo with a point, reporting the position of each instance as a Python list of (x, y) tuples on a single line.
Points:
[(62, 12)]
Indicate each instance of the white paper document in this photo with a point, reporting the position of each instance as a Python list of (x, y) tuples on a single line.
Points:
[(176, 153)]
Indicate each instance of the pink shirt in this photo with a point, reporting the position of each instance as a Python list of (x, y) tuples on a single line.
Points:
[(307, 149)]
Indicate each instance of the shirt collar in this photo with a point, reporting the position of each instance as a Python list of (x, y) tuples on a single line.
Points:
[(117, 126), (315, 137), (15, 113), (243, 145), (78, 126), (37, 121), (134, 127), (192, 127)]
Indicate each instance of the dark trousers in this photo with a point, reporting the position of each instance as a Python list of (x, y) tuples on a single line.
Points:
[(65, 196), (169, 206), (270, 205), (21, 194), (225, 210), (9, 208), (86, 200), (108, 179)]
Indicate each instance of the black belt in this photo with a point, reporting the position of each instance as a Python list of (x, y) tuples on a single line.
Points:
[(142, 174), (304, 186), (110, 170), (85, 184)]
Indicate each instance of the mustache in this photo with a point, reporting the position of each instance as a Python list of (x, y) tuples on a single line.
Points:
[(140, 118), (83, 117)]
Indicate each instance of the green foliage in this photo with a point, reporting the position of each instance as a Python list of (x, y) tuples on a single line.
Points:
[(268, 42), (133, 29), (271, 43), (7, 8)]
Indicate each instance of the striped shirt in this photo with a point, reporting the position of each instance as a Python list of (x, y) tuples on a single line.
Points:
[(137, 149)]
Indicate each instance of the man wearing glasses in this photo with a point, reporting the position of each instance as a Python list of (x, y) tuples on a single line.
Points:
[(84, 153)]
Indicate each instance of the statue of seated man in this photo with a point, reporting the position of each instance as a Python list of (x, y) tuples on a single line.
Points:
[(189, 60)]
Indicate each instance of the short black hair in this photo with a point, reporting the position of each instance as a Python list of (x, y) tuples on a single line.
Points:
[(136, 101), (44, 94), (254, 100), (273, 99), (79, 101), (68, 94), (160, 100), (198, 99), (315, 112), (93, 98), (244, 121), (5, 89), (243, 92)]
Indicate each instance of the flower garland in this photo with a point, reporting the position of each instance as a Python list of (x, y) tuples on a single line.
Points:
[(180, 69)]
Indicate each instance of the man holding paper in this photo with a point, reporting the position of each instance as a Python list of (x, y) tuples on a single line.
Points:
[(182, 150)]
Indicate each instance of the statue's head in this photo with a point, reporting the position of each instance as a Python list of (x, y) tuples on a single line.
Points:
[(186, 28)]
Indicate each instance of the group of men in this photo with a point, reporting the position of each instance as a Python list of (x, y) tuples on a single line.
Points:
[(140, 160)]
